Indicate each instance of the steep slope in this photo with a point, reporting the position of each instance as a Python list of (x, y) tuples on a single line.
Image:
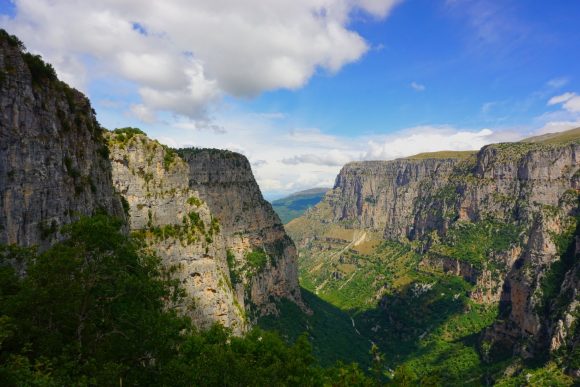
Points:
[(57, 164), (262, 256), (174, 223), (203, 213), (53, 159), (296, 204), (500, 220)]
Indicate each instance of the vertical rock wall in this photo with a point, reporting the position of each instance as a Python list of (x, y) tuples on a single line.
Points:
[(53, 159), (225, 182)]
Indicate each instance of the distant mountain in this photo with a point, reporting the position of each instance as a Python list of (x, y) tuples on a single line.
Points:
[(296, 204)]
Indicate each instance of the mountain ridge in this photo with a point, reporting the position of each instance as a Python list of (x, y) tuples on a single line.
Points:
[(500, 221), (295, 204)]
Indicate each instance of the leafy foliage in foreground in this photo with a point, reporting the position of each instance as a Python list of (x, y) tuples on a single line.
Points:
[(91, 310)]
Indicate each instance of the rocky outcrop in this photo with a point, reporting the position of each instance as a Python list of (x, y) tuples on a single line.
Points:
[(57, 164), (251, 228), (203, 213), (520, 200), (54, 164), (176, 225), (381, 195)]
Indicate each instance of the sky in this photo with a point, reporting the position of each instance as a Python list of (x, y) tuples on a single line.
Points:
[(302, 87)]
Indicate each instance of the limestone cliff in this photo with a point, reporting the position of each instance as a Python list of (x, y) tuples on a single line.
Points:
[(176, 225), (54, 163), (381, 195), (496, 217), (203, 213), (262, 255), (57, 164)]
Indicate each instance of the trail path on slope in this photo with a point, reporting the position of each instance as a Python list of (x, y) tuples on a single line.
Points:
[(354, 242)]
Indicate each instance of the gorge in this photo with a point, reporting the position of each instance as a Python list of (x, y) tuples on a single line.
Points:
[(446, 268)]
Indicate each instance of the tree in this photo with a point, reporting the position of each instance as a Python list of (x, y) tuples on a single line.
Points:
[(91, 307)]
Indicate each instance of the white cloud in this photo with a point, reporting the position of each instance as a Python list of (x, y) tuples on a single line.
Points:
[(417, 86), (558, 126), (143, 114), (378, 8), (200, 124), (433, 138), (565, 118), (569, 101), (185, 54), (573, 104), (332, 158), (561, 98), (285, 160)]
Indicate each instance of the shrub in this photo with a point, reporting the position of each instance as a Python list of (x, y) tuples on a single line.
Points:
[(39, 69), (12, 40), (168, 158), (257, 259)]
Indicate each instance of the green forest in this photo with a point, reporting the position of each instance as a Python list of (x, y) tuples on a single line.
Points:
[(92, 311)]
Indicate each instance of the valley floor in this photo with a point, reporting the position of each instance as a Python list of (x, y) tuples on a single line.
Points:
[(363, 290)]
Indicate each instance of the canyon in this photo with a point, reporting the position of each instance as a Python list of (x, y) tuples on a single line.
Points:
[(457, 265), (502, 221), (201, 211)]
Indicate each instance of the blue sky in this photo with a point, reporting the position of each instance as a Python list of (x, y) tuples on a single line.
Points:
[(303, 86)]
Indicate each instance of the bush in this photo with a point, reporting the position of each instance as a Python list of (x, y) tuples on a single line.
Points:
[(90, 308), (93, 310), (257, 259), (39, 69), (12, 40)]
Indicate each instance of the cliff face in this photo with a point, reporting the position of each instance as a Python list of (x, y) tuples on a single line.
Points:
[(381, 195), (262, 256), (53, 159), (499, 219), (177, 225), (202, 212), (57, 164)]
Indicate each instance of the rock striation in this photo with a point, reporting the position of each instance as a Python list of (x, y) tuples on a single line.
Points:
[(54, 164)]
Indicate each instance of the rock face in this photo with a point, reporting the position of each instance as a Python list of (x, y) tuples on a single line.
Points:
[(202, 212), (176, 225), (225, 182), (53, 159), (381, 195), (205, 218), (528, 190)]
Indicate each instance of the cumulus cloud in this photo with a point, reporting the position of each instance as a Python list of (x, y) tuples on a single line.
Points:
[(433, 138), (417, 86), (184, 54), (569, 101)]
